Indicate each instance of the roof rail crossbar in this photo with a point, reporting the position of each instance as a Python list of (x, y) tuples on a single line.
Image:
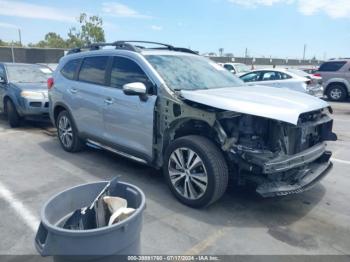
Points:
[(170, 47), (126, 45)]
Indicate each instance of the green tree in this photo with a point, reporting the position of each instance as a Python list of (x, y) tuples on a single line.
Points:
[(12, 43), (91, 31), (52, 40)]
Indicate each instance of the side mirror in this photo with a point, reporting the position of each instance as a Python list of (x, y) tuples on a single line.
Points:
[(135, 89), (2, 80)]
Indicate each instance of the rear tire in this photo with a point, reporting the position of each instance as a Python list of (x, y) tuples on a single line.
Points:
[(336, 92), (202, 176), (13, 117), (67, 133)]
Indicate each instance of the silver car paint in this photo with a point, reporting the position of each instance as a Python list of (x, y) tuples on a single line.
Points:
[(126, 121), (269, 102)]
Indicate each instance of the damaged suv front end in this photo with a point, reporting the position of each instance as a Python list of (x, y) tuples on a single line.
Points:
[(279, 157), (272, 137)]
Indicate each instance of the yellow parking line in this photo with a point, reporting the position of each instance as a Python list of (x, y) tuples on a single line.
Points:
[(207, 242)]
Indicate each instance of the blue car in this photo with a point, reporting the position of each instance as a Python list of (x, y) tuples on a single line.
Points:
[(23, 91)]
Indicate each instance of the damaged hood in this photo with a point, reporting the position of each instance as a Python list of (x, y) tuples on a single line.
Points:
[(270, 102)]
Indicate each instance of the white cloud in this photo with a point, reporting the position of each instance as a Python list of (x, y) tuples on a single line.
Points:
[(156, 27), (21, 9), (333, 8), (121, 10), (256, 3)]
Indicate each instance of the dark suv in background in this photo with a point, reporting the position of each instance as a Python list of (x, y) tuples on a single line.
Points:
[(336, 79)]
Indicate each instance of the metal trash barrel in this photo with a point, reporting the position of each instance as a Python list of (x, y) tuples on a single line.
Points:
[(94, 244)]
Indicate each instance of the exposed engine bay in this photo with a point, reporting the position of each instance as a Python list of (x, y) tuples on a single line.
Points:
[(269, 151)]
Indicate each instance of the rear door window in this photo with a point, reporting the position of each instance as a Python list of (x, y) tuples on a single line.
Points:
[(93, 70), (271, 76), (68, 71), (332, 66)]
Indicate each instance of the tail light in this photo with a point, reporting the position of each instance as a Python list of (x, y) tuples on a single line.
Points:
[(317, 74), (50, 83)]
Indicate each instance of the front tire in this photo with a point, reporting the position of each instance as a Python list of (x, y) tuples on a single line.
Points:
[(196, 171), (13, 117), (336, 93), (67, 133)]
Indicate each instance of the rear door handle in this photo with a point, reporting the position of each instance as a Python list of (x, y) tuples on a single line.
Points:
[(109, 101), (73, 90)]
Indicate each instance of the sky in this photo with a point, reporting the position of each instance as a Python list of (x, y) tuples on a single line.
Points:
[(277, 28)]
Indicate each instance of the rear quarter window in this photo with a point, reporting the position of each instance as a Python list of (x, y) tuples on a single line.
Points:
[(69, 69), (332, 66)]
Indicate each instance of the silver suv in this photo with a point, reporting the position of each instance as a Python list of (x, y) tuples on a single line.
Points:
[(336, 78), (173, 109)]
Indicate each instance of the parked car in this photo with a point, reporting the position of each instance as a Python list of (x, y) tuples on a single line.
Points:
[(282, 78), (236, 68), (172, 109), (315, 86), (23, 91), (336, 79)]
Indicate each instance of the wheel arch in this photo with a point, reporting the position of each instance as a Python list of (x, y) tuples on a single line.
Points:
[(58, 108), (6, 98), (341, 82), (189, 126)]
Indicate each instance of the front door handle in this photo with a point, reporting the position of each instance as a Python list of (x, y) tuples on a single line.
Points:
[(109, 101), (73, 90)]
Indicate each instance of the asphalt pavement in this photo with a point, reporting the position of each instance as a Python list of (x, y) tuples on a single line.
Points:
[(33, 167)]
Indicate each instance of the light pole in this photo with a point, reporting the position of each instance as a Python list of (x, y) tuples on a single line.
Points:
[(20, 36)]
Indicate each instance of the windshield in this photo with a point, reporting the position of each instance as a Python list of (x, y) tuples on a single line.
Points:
[(184, 72), (27, 73), (242, 68)]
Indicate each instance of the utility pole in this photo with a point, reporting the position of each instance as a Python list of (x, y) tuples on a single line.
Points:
[(20, 36), (304, 53), (221, 51), (246, 53), (12, 53)]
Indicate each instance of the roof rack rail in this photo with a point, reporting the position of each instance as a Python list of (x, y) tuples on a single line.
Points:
[(126, 45)]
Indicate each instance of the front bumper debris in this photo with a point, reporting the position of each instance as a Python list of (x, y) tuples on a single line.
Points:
[(285, 163), (304, 180)]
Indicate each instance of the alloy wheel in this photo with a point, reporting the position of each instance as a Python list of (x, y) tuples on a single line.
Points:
[(336, 93), (187, 173), (65, 131)]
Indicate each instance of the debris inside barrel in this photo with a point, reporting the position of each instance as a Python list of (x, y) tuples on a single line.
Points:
[(105, 210)]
